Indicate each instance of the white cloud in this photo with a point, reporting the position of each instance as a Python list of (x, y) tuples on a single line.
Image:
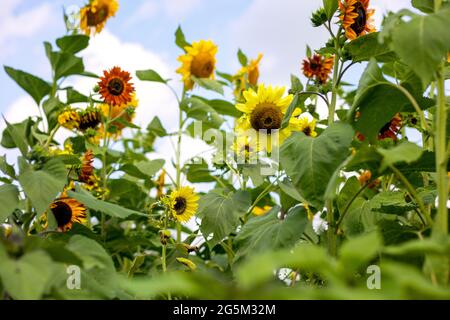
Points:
[(177, 9)]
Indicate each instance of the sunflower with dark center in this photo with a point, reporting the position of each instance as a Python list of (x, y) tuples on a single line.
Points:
[(356, 18), (87, 168), (308, 126), (89, 119), (391, 129), (69, 118), (245, 148), (67, 211), (94, 15), (264, 111), (183, 204), (318, 67), (199, 61), (115, 87)]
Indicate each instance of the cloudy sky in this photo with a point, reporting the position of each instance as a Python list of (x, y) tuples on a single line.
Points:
[(141, 37)]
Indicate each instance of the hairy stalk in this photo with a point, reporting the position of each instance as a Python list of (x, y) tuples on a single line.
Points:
[(104, 172), (178, 156)]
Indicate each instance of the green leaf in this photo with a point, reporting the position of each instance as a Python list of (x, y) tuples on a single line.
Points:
[(311, 162), (392, 202), (73, 43), (6, 168), (358, 251), (198, 172), (90, 252), (103, 206), (27, 278), (423, 42), (351, 187), (296, 85), (243, 60), (220, 213), (66, 64), (42, 186), (268, 232), (330, 7), (155, 127), (366, 47), (224, 107), (150, 168), (180, 39), (34, 86), (406, 152), (426, 6), (14, 136), (74, 96), (209, 84), (149, 75), (9, 199)]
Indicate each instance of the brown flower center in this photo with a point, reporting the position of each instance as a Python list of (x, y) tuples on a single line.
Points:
[(180, 205), (97, 17), (314, 66), (266, 117), (62, 213), (89, 120), (202, 65), (307, 131), (116, 86), (360, 22)]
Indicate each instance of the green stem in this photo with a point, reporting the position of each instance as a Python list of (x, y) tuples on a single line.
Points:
[(347, 207), (178, 156), (52, 135), (104, 172)]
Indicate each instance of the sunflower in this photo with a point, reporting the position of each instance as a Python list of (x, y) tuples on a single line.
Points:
[(87, 169), (183, 203), (264, 111), (94, 15), (124, 112), (69, 119), (245, 148), (115, 87), (307, 127), (160, 184), (199, 61), (247, 74), (258, 211), (391, 129), (318, 67), (356, 18), (67, 211), (89, 118)]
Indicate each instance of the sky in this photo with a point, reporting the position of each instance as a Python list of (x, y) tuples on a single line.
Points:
[(141, 36)]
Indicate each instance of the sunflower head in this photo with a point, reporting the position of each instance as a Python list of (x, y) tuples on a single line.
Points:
[(94, 15), (67, 211), (307, 126), (69, 118), (115, 87), (198, 61), (245, 148), (89, 118), (87, 168), (318, 68), (391, 129), (183, 203), (248, 74), (356, 18), (124, 112)]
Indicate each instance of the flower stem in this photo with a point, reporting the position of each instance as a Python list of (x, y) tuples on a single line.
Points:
[(178, 156)]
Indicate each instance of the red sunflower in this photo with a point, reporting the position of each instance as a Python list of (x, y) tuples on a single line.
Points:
[(115, 87)]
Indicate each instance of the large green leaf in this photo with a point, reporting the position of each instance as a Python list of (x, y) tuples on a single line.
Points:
[(9, 199), (426, 6), (42, 186), (359, 251), (15, 136), (73, 43), (26, 278), (269, 232), (406, 152), (220, 213), (366, 47), (209, 84), (330, 7), (34, 86), (149, 75), (311, 162), (423, 42), (66, 64), (90, 252), (106, 207)]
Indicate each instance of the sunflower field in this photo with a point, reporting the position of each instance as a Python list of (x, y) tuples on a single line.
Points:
[(290, 204)]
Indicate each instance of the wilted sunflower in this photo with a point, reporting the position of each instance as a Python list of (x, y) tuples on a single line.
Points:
[(356, 18), (69, 119), (183, 203), (307, 126), (199, 61), (391, 129), (67, 211), (264, 111), (318, 67), (89, 118), (115, 87), (87, 169), (94, 15)]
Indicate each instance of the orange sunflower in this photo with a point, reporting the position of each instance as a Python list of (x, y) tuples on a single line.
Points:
[(87, 169), (318, 67), (391, 129), (67, 211), (115, 86), (356, 18)]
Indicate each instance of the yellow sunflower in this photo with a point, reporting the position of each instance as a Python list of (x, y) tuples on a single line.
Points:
[(248, 74), (356, 18), (68, 211), (69, 119), (183, 203), (199, 61), (307, 126), (258, 211), (245, 148), (94, 15), (125, 111), (264, 111)]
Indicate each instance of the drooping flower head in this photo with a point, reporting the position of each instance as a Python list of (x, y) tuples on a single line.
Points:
[(391, 129), (115, 87), (94, 15), (318, 68), (183, 203), (67, 211), (69, 118), (264, 111), (89, 119), (198, 61), (87, 168), (356, 18)]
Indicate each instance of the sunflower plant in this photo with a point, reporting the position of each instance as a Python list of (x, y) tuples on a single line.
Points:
[(309, 189)]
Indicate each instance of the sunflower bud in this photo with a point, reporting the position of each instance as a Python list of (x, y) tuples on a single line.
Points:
[(319, 17)]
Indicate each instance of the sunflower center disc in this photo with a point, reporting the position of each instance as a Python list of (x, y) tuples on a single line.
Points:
[(202, 65), (360, 22), (180, 205), (115, 86), (266, 117), (97, 17), (62, 213)]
